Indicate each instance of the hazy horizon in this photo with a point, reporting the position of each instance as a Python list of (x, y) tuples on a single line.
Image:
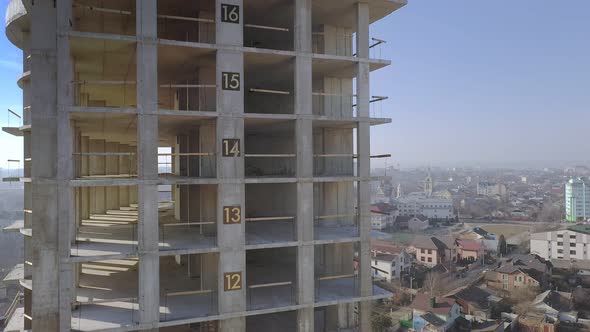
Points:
[(471, 83)]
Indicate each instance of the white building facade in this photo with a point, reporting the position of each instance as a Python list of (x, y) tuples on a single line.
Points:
[(573, 243), (420, 203), (391, 266), (577, 200)]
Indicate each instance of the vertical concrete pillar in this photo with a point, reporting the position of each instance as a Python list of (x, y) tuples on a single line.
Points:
[(304, 146), (230, 170), (65, 163), (364, 167), (27, 172), (112, 167), (45, 202), (147, 162)]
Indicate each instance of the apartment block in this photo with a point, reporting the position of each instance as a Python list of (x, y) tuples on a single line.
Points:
[(197, 165), (570, 244), (577, 200)]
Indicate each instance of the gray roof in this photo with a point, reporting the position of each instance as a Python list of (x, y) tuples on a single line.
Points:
[(433, 319), (432, 242)]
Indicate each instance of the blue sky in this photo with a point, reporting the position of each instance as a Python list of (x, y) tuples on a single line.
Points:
[(471, 82), (486, 82)]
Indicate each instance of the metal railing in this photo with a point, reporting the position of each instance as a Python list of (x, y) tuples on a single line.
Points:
[(271, 295), (126, 163), (270, 165), (269, 37), (334, 164), (333, 105), (268, 101), (187, 28), (203, 303), (86, 14), (187, 235), (13, 306), (336, 286), (105, 93), (336, 226), (190, 164), (344, 106), (338, 43), (187, 97), (257, 229)]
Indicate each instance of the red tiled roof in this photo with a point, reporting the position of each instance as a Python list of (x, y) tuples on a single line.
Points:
[(382, 208), (469, 245), (385, 247)]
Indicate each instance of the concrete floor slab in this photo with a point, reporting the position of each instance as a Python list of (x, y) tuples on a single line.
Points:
[(342, 289)]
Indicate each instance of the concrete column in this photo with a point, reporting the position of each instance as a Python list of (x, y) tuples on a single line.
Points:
[(364, 168), (112, 167), (230, 170), (147, 97), (45, 192), (304, 146), (65, 169)]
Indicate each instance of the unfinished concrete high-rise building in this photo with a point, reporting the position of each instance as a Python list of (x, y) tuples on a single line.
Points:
[(197, 165)]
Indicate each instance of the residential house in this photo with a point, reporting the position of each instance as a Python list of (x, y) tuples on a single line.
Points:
[(382, 215), (469, 249), (434, 313), (518, 272), (389, 261), (431, 251), (558, 305), (475, 301), (534, 321), (418, 223)]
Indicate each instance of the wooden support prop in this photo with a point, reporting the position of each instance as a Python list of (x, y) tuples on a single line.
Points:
[(189, 223), (188, 86), (205, 291), (342, 276), (122, 299), (277, 92), (182, 154), (381, 156), (185, 18), (104, 82), (269, 218), (330, 94), (274, 284), (336, 155), (284, 155), (104, 153), (13, 113), (103, 10), (266, 27)]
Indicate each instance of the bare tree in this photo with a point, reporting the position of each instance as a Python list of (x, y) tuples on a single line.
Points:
[(433, 283)]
